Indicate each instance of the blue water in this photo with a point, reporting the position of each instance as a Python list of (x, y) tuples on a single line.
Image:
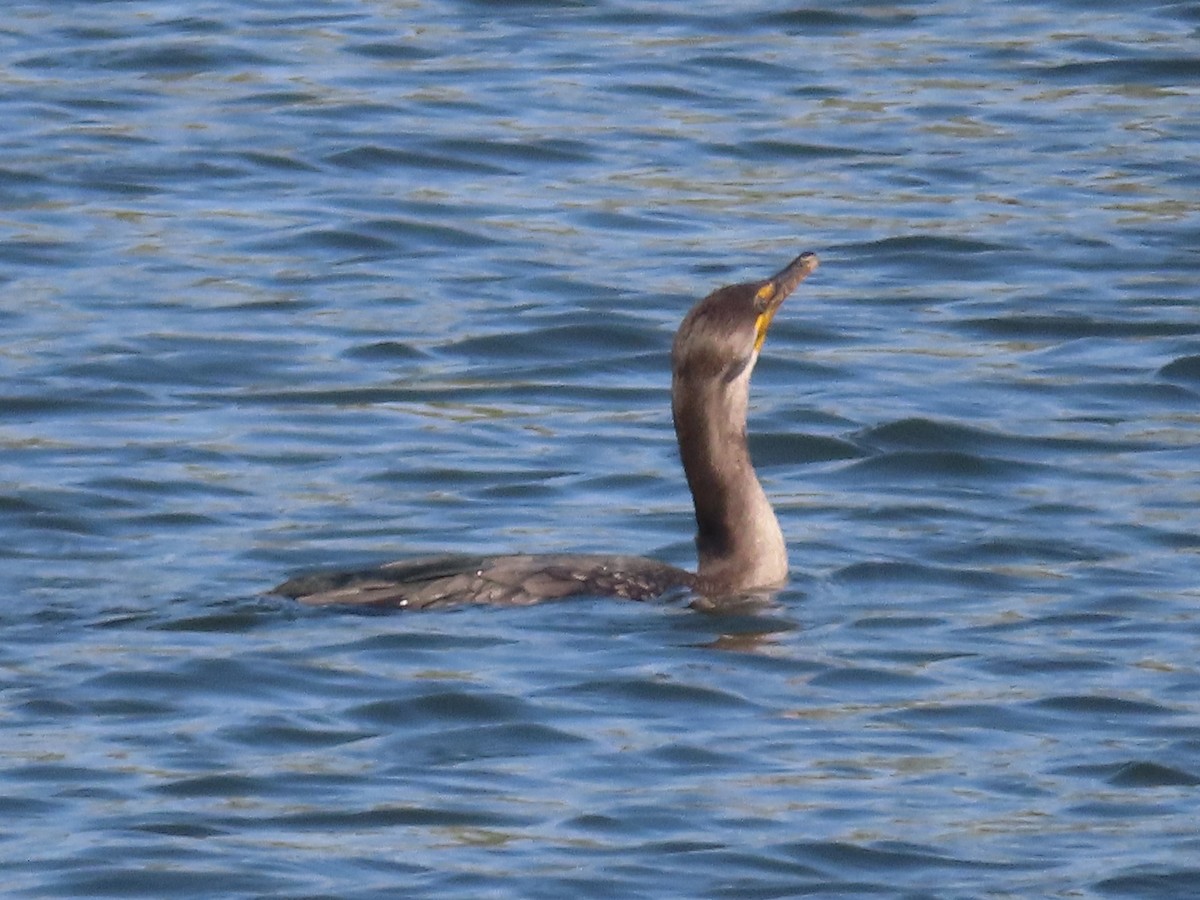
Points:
[(298, 286)]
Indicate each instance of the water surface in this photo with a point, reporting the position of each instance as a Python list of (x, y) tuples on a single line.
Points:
[(293, 287)]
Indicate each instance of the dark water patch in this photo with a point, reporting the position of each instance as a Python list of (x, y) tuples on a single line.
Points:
[(876, 681), (134, 709), (387, 351), (181, 58), (377, 158), (281, 99), (928, 434), (655, 693), (1104, 707), (1013, 551), (770, 871), (410, 231), (499, 395), (426, 643), (320, 110), (195, 678), (147, 177), (282, 162), (924, 512), (192, 25), (950, 720), (215, 786), (769, 890), (349, 239), (286, 735), (1166, 394), (180, 829), (170, 521), (44, 708), (919, 246), (385, 816), (522, 6), (392, 51), (1158, 71), (691, 756), (785, 150), (952, 465), (918, 433), (51, 512), (890, 856), (914, 263), (584, 292), (664, 91), (804, 20), (90, 32), (898, 621), (478, 743), (180, 878), (121, 186), (180, 361), (218, 621), (576, 342), (61, 775), (899, 574), (1144, 774), (612, 374), (1025, 665), (91, 103), (38, 253), (24, 505), (1174, 540), (199, 367), (1184, 368), (27, 806), (1152, 883), (443, 707), (542, 151), (647, 222), (493, 481), (651, 18), (749, 66), (119, 487), (777, 448)]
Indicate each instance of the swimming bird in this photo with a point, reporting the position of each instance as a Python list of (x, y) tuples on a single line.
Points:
[(739, 544)]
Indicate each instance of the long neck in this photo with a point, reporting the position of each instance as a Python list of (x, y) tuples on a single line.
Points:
[(738, 540)]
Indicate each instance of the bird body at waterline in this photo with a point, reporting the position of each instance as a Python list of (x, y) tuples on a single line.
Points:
[(739, 545)]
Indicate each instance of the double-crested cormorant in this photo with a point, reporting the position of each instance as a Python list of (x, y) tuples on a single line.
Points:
[(738, 541)]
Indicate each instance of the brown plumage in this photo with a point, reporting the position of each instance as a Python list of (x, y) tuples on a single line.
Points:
[(739, 544)]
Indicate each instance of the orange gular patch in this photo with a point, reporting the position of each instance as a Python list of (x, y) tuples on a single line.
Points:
[(763, 322)]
